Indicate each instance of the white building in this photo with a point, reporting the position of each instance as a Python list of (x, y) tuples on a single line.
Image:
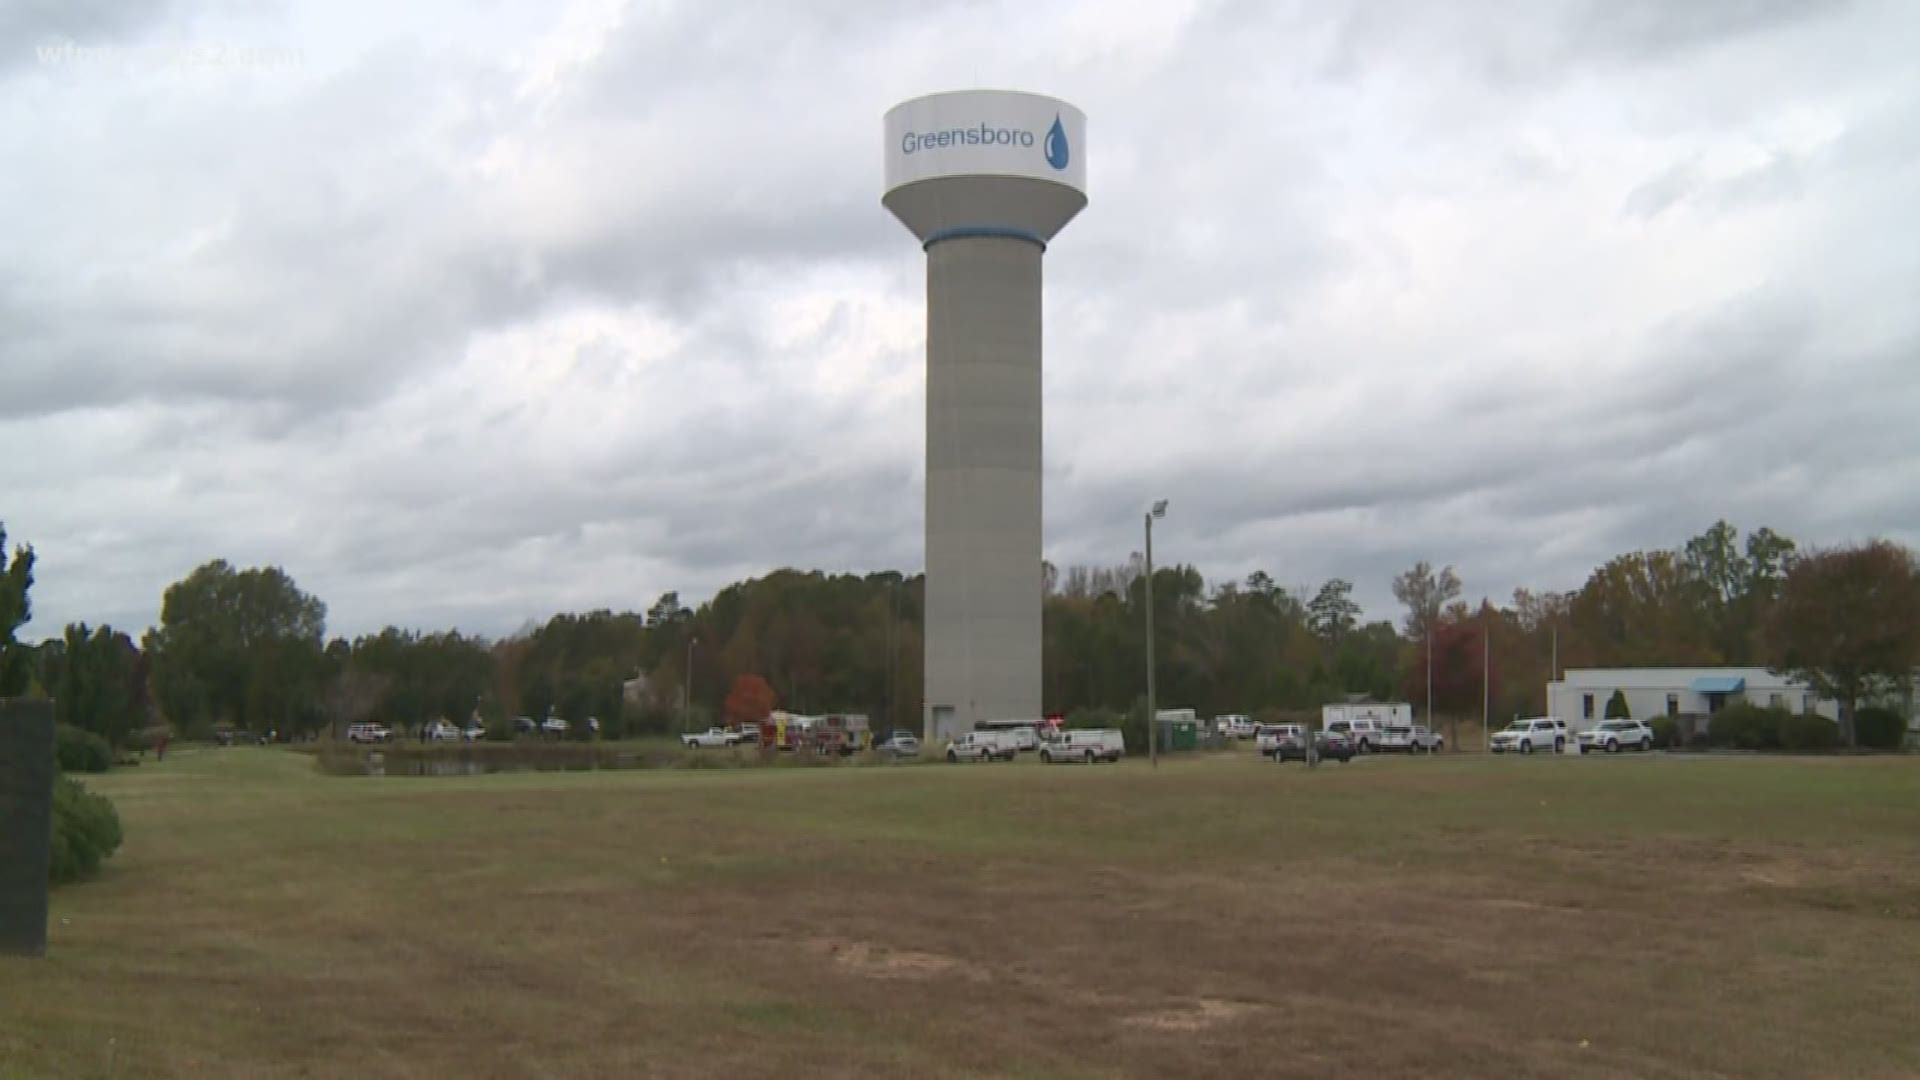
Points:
[(1580, 698)]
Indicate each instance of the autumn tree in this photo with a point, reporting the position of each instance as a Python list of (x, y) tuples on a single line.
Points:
[(1462, 671), (1846, 623), (1425, 594), (749, 702), (1644, 608)]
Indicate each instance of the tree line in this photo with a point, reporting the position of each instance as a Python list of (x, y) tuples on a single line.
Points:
[(248, 649)]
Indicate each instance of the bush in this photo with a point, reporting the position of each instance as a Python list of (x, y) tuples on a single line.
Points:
[(80, 751), (1879, 729), (85, 831), (1617, 706), (1808, 731), (1666, 732), (1132, 727), (1097, 717), (1742, 726)]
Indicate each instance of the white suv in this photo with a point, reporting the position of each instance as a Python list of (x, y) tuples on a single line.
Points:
[(1614, 736), (1541, 733), (1367, 734), (1418, 739)]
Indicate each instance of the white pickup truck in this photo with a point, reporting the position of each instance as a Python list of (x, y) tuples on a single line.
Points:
[(983, 746), (1086, 744), (713, 738)]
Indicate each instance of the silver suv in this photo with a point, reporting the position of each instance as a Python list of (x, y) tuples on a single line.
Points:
[(1614, 736)]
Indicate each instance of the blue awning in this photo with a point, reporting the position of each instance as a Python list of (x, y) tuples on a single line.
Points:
[(1719, 684)]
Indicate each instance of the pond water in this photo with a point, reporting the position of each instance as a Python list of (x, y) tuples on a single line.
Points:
[(356, 762)]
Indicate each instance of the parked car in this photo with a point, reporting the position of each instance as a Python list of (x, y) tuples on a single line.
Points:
[(368, 733), (900, 744), (1329, 744), (554, 725), (982, 746), (1086, 744), (1272, 737), (441, 731), (1236, 726), (713, 738), (1367, 734), (524, 725), (1419, 739), (474, 732), (1614, 736), (1540, 733)]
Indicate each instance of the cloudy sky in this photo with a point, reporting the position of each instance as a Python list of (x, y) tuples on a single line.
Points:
[(467, 313)]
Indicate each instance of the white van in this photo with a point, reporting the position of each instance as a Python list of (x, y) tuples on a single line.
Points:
[(1088, 745), (1023, 735), (982, 746)]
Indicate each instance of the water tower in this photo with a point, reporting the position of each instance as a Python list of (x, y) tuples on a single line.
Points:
[(984, 178)]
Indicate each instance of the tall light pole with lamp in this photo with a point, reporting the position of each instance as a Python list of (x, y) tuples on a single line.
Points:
[(1153, 724)]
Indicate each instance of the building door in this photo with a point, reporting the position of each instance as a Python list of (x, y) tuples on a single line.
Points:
[(941, 723)]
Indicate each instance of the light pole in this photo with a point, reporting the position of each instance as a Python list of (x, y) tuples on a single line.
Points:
[(1486, 682), (1153, 725), (686, 688), (1431, 617)]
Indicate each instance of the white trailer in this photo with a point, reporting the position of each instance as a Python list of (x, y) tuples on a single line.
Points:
[(1371, 725)]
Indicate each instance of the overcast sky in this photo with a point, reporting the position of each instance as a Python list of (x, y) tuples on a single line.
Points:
[(468, 313)]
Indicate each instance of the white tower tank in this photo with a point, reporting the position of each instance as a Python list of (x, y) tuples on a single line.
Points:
[(984, 178)]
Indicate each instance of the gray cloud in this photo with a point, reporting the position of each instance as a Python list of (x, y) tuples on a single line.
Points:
[(466, 320)]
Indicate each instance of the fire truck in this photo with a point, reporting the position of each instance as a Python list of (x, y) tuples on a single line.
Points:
[(834, 733)]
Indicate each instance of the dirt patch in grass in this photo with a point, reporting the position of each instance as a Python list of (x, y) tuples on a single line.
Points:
[(1197, 1016), (880, 962)]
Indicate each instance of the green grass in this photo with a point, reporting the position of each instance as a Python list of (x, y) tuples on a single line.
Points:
[(1217, 916)]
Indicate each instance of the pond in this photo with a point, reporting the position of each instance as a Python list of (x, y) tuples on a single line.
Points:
[(479, 760)]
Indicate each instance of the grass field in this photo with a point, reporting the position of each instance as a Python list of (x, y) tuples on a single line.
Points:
[(1621, 917)]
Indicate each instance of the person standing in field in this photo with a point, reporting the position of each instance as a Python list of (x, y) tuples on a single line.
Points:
[(160, 748)]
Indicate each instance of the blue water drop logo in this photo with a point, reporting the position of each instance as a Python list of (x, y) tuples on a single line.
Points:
[(1056, 147)]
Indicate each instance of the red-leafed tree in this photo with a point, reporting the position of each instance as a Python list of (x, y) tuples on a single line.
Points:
[(1459, 666), (1845, 623), (750, 700)]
